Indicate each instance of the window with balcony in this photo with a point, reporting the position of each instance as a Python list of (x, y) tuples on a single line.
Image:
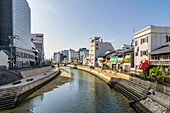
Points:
[(152, 58), (156, 57), (165, 57)]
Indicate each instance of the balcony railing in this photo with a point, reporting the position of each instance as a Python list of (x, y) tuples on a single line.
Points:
[(159, 62)]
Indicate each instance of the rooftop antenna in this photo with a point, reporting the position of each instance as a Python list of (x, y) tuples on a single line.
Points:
[(133, 34), (134, 29)]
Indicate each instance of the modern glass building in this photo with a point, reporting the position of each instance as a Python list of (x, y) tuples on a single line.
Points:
[(15, 20), (6, 23)]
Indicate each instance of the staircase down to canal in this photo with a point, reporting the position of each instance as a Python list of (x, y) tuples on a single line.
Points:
[(7, 98), (135, 93), (132, 91), (14, 93)]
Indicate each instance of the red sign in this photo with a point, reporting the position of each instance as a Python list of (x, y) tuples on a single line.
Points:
[(97, 48), (89, 57), (97, 44)]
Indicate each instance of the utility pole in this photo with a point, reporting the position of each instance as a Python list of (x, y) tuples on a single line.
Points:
[(11, 50), (11, 38)]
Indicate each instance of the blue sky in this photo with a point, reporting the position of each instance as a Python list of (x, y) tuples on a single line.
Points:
[(71, 23)]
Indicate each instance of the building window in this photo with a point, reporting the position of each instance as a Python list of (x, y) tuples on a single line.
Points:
[(141, 53), (136, 43), (144, 52), (136, 53), (152, 58), (144, 40), (157, 58), (167, 38), (165, 57), (92, 41)]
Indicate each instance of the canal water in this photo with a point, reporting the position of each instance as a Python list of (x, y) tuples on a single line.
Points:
[(82, 93)]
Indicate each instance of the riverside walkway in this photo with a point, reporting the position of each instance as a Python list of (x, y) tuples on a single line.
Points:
[(34, 78)]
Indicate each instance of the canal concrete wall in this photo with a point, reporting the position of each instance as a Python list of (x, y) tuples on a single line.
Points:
[(11, 95), (135, 89), (104, 76), (33, 72), (7, 76)]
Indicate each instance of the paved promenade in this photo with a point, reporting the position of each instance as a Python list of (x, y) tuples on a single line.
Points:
[(35, 78)]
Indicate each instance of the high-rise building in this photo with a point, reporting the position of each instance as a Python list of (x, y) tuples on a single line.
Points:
[(97, 48), (15, 22), (65, 56), (83, 54), (65, 53), (57, 58)]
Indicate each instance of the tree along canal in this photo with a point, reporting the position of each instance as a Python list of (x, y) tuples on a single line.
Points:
[(82, 93)]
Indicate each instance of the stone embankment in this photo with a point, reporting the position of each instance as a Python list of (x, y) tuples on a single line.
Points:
[(135, 90), (14, 93)]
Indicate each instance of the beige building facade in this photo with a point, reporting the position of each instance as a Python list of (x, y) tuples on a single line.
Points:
[(149, 39)]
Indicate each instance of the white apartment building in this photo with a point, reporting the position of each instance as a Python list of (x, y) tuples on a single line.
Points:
[(83, 54), (4, 59), (57, 57), (73, 56), (97, 48), (149, 39)]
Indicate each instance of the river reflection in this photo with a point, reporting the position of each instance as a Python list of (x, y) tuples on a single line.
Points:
[(83, 93)]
